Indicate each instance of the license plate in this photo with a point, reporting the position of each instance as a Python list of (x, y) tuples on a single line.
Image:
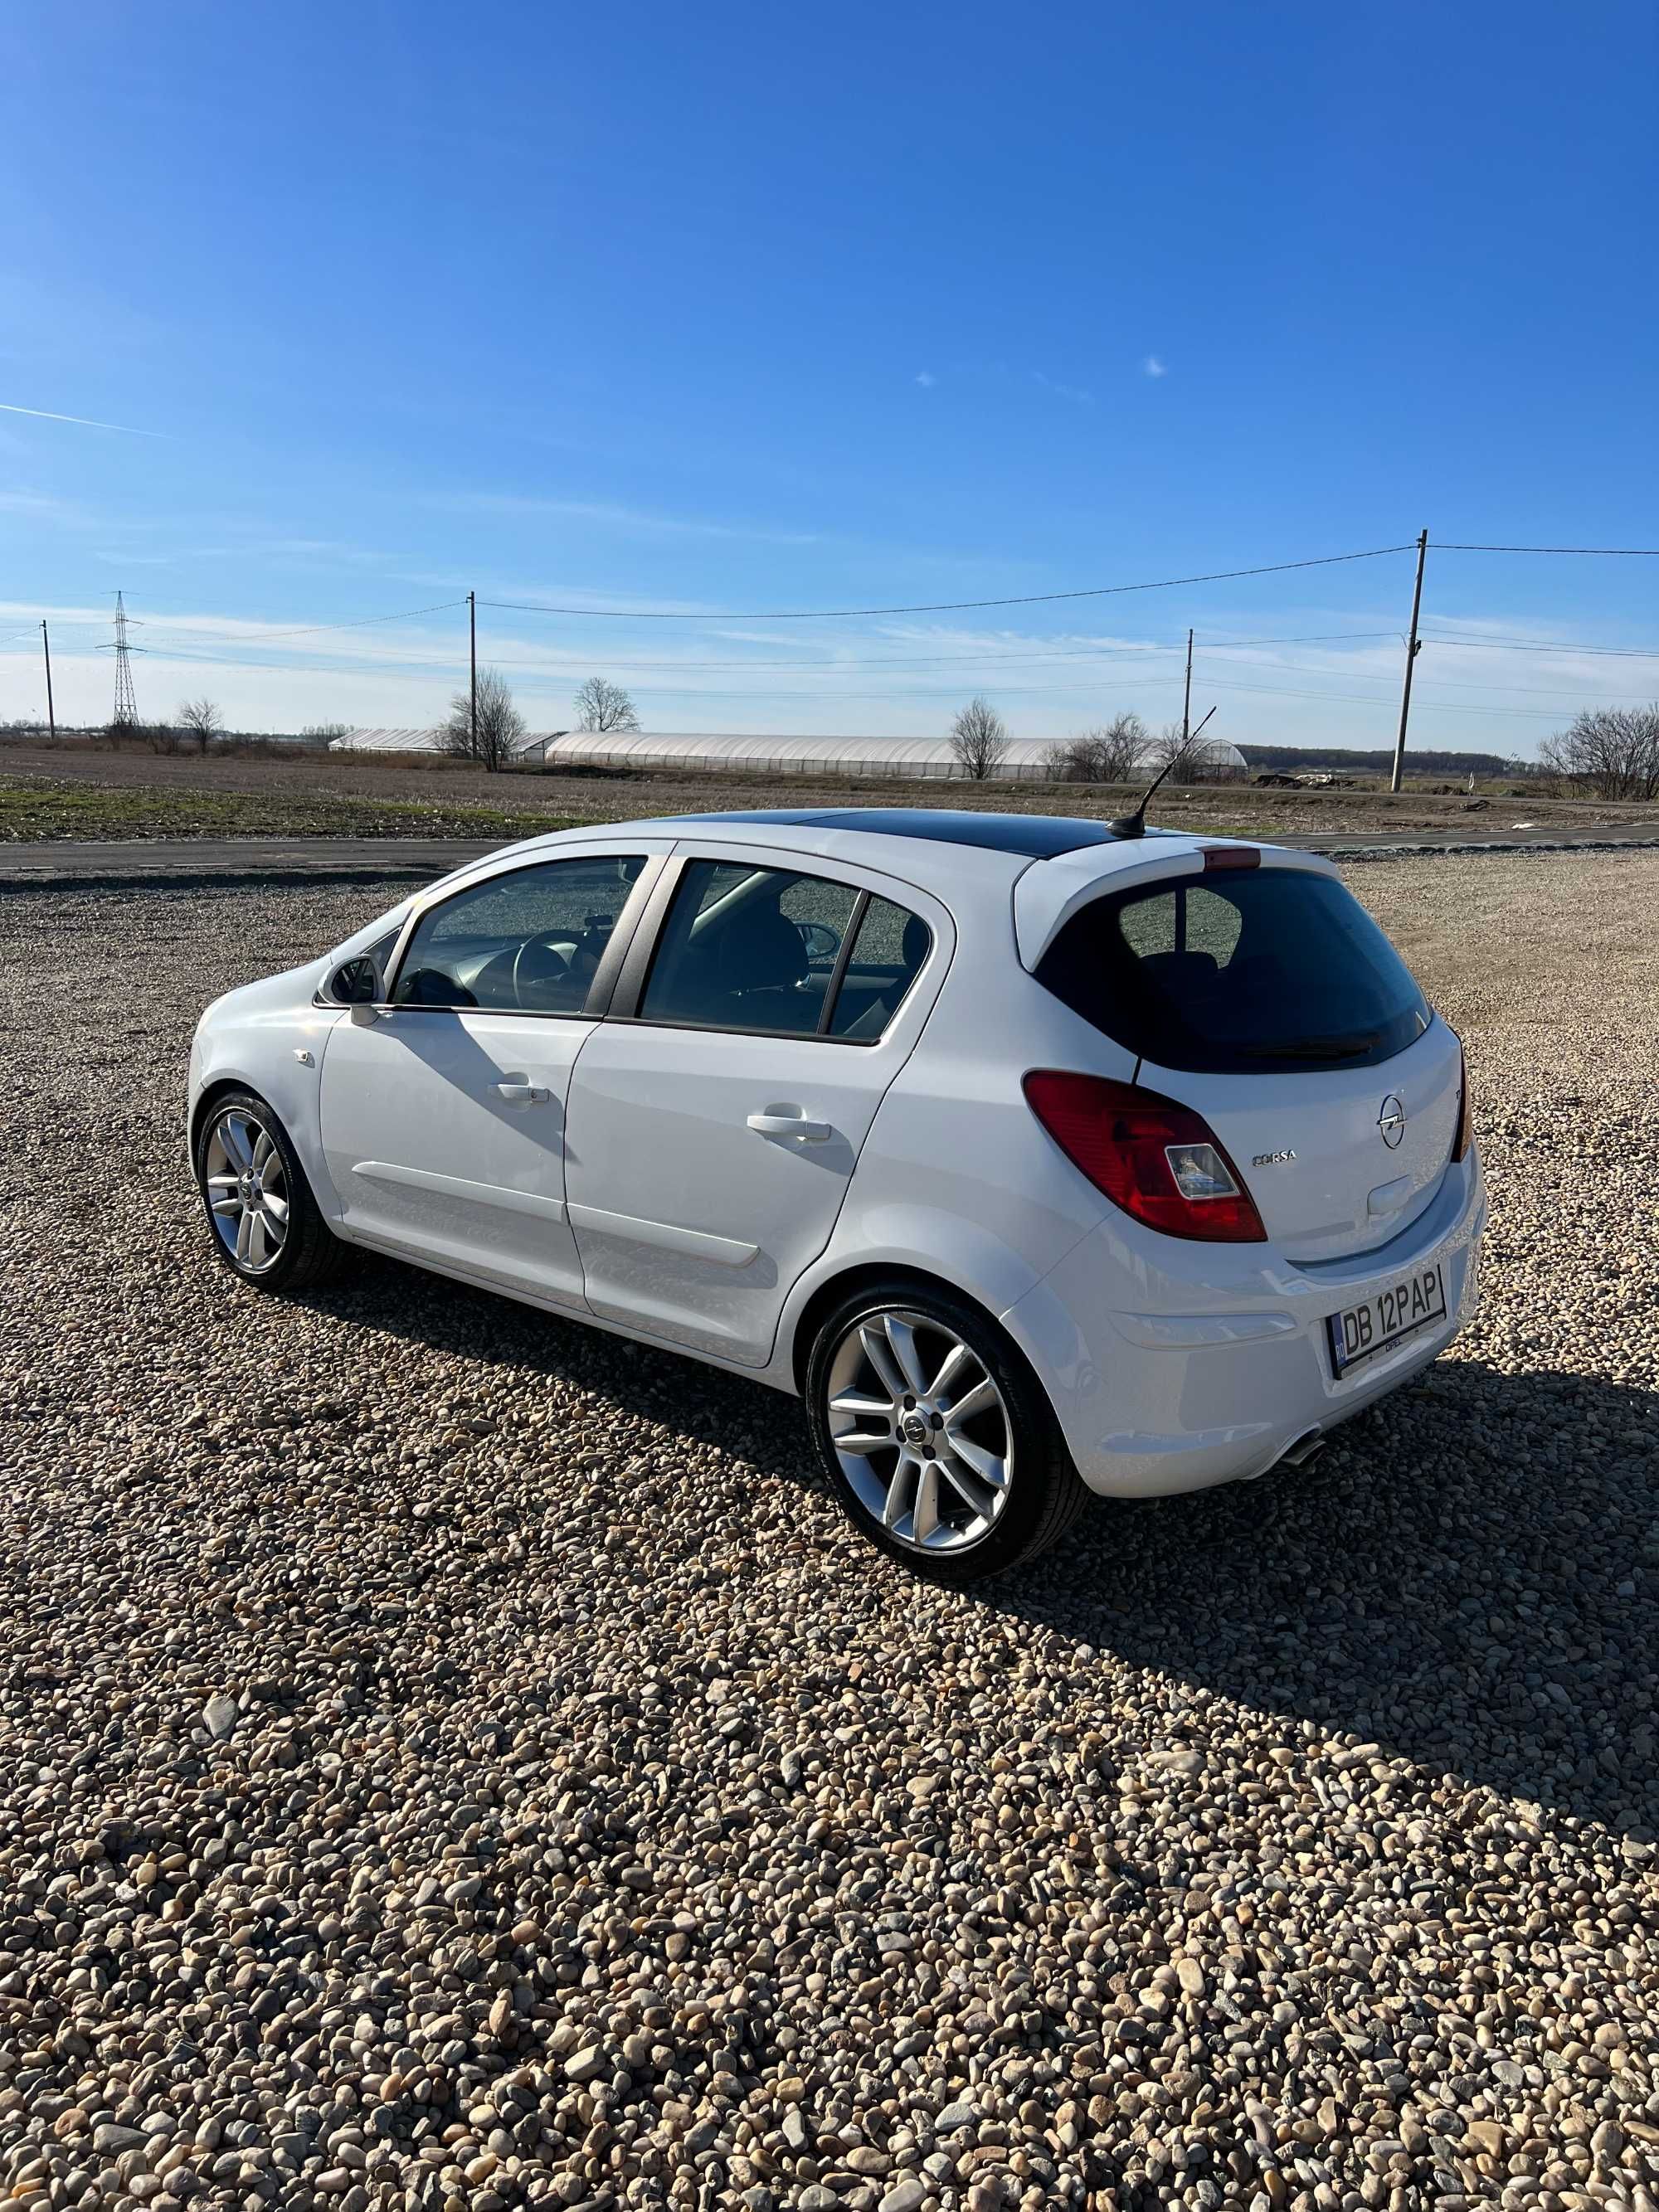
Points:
[(1386, 1317)]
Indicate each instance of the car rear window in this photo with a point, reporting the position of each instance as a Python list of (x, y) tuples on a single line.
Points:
[(1257, 971)]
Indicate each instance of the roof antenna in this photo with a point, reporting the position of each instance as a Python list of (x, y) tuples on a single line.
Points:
[(1134, 825)]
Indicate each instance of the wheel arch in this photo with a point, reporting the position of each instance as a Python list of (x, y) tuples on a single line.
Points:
[(221, 1086), (848, 1281)]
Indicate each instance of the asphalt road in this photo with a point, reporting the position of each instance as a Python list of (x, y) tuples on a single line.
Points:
[(116, 862)]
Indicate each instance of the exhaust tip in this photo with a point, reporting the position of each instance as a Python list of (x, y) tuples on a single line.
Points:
[(1305, 1447)]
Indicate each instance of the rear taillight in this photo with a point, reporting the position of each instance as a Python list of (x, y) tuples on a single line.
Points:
[(1465, 1136), (1160, 1162)]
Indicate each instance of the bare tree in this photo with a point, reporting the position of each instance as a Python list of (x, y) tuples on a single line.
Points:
[(1190, 757), (1611, 751), (500, 726), (202, 719), (1109, 753), (979, 739), (322, 734), (604, 706)]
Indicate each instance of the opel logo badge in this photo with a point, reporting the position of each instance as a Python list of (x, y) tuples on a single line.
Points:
[(915, 1428), (1391, 1121)]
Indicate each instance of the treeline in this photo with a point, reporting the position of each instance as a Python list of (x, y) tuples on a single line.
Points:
[(1419, 759)]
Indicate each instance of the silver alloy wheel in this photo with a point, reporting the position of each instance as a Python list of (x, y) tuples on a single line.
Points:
[(247, 1189), (919, 1429)]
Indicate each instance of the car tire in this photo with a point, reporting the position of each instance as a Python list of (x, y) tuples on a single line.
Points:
[(931, 1495), (266, 1226)]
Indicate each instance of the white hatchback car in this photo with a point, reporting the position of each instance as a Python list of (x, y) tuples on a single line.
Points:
[(1039, 1158)]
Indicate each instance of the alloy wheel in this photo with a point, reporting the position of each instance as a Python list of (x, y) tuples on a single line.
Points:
[(247, 1190), (921, 1430)]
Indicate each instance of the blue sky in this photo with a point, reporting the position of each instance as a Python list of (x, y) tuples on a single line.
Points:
[(747, 308)]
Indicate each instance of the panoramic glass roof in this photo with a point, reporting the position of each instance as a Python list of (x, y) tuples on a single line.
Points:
[(1035, 836)]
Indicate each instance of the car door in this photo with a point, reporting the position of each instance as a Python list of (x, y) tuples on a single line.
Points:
[(443, 1108), (717, 1114)]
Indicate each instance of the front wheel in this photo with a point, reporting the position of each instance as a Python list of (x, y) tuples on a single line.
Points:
[(266, 1225), (935, 1434)]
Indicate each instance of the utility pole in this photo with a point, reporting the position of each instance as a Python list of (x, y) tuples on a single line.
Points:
[(472, 632), (1414, 647), (1187, 703), (45, 647)]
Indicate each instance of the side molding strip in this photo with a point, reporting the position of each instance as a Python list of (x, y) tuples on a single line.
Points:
[(696, 1243), (477, 1194)]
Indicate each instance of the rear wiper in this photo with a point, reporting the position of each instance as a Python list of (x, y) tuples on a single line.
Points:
[(1343, 1047)]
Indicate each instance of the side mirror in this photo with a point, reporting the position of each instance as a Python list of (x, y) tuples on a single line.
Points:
[(355, 982)]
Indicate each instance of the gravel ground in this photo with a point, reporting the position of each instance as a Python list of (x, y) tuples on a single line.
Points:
[(451, 1759)]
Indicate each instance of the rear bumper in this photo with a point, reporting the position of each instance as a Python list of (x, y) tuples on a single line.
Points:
[(1166, 1381)]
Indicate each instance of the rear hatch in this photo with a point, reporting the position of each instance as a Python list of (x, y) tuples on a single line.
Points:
[(1267, 1000)]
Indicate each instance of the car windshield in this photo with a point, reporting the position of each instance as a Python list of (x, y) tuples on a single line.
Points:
[(1249, 971)]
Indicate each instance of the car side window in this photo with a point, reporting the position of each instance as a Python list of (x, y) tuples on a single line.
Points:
[(886, 957), (526, 942), (749, 948)]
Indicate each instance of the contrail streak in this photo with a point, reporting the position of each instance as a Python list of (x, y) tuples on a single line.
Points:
[(86, 422)]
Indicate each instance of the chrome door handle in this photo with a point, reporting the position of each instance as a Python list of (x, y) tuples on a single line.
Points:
[(525, 1094), (776, 1123)]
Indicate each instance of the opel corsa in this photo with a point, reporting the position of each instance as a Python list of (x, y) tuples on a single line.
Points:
[(1039, 1157)]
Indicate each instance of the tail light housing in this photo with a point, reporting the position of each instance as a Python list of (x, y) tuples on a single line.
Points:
[(1465, 1136), (1159, 1161)]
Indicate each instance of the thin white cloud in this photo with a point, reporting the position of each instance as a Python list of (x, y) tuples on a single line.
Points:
[(1153, 367), (608, 515), (43, 507), (83, 421), (926, 378), (1063, 391)]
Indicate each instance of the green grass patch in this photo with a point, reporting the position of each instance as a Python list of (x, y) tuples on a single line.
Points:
[(33, 810)]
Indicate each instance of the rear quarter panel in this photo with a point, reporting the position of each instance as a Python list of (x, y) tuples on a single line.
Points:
[(957, 1178)]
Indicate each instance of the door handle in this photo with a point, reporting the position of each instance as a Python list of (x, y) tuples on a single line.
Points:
[(525, 1094), (781, 1121)]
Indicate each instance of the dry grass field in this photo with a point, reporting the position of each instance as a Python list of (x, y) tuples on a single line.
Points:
[(73, 792)]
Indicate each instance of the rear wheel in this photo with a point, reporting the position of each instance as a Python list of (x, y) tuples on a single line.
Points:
[(266, 1225), (935, 1434)]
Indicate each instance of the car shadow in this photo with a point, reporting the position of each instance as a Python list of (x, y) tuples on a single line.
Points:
[(1467, 1576)]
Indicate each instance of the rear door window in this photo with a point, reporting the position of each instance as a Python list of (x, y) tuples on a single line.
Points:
[(749, 948), (766, 951), (1254, 971)]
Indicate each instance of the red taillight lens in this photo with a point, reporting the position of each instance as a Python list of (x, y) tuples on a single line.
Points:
[(1465, 1136), (1160, 1162)]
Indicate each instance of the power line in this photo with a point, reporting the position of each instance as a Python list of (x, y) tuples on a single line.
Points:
[(538, 678), (936, 606), (1609, 552), (311, 629), (1448, 682), (1552, 645), (897, 662)]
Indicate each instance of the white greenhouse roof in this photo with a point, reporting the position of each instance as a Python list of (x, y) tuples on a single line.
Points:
[(407, 741), (1026, 760)]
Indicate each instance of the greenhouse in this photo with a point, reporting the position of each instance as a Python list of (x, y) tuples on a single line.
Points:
[(1027, 760), (412, 741)]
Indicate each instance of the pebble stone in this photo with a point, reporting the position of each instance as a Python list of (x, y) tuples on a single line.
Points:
[(451, 1761)]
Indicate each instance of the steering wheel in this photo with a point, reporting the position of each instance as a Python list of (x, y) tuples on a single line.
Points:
[(537, 963)]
